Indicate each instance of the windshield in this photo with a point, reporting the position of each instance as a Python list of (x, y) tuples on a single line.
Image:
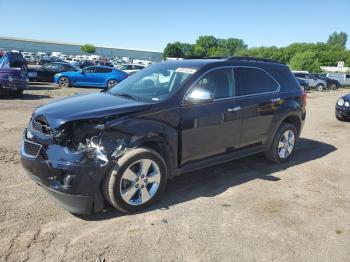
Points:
[(154, 83)]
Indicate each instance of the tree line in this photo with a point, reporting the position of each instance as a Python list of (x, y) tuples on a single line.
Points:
[(299, 56)]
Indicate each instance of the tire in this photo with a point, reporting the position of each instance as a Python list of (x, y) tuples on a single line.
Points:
[(320, 87), (63, 81), (111, 83), (16, 93), (333, 86), (274, 154), (340, 118), (125, 185)]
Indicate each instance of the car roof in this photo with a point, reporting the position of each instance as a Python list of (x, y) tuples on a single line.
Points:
[(109, 67), (233, 61)]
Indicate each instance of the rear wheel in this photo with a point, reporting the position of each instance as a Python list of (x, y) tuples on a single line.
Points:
[(111, 83), (63, 81), (137, 180), (320, 87), (333, 86), (283, 144)]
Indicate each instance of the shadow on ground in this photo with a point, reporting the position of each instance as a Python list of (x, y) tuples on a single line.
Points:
[(42, 86), (215, 180)]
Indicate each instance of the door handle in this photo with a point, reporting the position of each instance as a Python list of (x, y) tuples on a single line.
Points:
[(274, 100), (234, 109)]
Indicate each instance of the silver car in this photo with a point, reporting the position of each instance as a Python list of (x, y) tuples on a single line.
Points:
[(313, 81), (343, 79)]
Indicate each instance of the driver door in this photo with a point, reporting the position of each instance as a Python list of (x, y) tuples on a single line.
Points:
[(213, 128)]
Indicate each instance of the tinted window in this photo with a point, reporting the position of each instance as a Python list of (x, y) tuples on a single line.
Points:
[(68, 68), (51, 67), (219, 82), (253, 81), (90, 70), (103, 70)]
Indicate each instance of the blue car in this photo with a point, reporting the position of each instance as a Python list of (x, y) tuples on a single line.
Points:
[(95, 76)]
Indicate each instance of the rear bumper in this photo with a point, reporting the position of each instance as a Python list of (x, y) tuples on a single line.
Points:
[(14, 85)]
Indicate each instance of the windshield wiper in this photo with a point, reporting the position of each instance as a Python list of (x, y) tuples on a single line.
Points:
[(126, 95)]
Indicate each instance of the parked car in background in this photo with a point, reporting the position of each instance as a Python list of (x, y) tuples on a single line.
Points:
[(343, 79), (318, 84), (303, 84), (332, 84), (123, 145), (342, 108), (96, 76), (13, 74), (45, 60), (46, 72), (131, 68), (86, 63)]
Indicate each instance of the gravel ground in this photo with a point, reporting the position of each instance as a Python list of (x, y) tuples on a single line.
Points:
[(246, 210)]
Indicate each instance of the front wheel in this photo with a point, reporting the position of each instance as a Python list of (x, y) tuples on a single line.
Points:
[(283, 144), (137, 180), (63, 81)]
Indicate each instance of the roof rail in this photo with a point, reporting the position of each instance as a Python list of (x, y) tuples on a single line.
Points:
[(253, 59)]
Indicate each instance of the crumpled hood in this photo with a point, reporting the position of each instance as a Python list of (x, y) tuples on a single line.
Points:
[(87, 106)]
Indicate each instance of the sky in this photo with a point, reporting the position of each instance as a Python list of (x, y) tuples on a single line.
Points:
[(151, 24)]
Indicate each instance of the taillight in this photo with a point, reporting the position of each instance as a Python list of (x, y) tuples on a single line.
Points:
[(303, 97)]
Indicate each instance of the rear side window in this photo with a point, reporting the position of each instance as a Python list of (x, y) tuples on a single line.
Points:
[(250, 81), (103, 70)]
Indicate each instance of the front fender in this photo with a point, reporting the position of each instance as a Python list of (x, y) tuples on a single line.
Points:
[(145, 131)]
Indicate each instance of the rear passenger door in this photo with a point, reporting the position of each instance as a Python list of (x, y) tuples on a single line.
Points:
[(101, 75), (258, 101)]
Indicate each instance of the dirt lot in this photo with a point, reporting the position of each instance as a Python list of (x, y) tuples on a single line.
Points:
[(246, 210)]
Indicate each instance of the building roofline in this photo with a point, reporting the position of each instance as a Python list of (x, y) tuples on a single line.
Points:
[(66, 43)]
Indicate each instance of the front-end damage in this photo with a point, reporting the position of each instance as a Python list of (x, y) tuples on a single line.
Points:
[(71, 161)]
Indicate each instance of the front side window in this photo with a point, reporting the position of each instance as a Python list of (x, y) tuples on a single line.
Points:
[(253, 81), (219, 82), (154, 83)]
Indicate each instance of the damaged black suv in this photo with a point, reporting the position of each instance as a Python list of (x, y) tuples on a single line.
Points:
[(170, 118)]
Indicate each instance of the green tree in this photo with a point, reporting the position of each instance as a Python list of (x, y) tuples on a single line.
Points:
[(338, 39), (173, 50), (87, 48), (305, 61)]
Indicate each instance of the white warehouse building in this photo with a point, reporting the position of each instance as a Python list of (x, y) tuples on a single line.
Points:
[(34, 46)]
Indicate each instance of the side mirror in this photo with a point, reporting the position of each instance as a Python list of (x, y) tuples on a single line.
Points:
[(199, 95)]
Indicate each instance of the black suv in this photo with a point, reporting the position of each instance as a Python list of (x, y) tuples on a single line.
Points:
[(170, 118)]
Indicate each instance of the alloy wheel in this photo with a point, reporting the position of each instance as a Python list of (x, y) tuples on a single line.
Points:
[(63, 82), (140, 182), (111, 83), (286, 144)]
